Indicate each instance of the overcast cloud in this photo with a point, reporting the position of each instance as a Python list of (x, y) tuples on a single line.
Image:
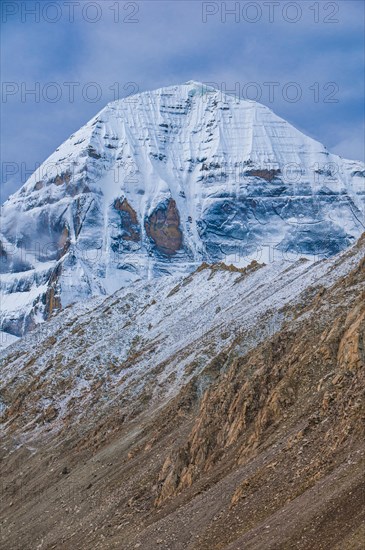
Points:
[(160, 43)]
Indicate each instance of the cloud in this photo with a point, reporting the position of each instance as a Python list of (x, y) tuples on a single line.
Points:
[(352, 143), (171, 44)]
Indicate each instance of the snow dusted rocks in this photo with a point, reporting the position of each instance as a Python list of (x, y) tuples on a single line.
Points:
[(159, 182)]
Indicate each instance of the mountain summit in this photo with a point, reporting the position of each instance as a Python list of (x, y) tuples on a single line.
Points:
[(158, 182)]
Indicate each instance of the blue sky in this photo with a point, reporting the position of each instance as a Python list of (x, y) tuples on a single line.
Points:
[(318, 46)]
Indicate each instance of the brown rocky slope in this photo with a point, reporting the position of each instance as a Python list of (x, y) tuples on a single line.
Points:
[(269, 456)]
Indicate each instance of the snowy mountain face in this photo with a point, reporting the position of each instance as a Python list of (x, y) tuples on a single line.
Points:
[(159, 182)]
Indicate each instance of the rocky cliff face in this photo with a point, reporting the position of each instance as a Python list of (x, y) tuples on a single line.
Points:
[(158, 182), (270, 387)]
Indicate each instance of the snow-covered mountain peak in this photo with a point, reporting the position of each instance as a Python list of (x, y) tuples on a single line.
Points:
[(156, 183)]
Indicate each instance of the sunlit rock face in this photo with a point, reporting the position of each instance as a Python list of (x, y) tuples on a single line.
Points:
[(163, 228), (157, 183)]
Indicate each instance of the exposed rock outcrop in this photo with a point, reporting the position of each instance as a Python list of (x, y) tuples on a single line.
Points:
[(129, 222), (163, 228), (267, 175)]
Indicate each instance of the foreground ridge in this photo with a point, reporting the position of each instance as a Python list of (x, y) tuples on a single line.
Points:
[(218, 410)]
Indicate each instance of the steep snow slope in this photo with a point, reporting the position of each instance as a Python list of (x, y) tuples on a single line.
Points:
[(160, 181)]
